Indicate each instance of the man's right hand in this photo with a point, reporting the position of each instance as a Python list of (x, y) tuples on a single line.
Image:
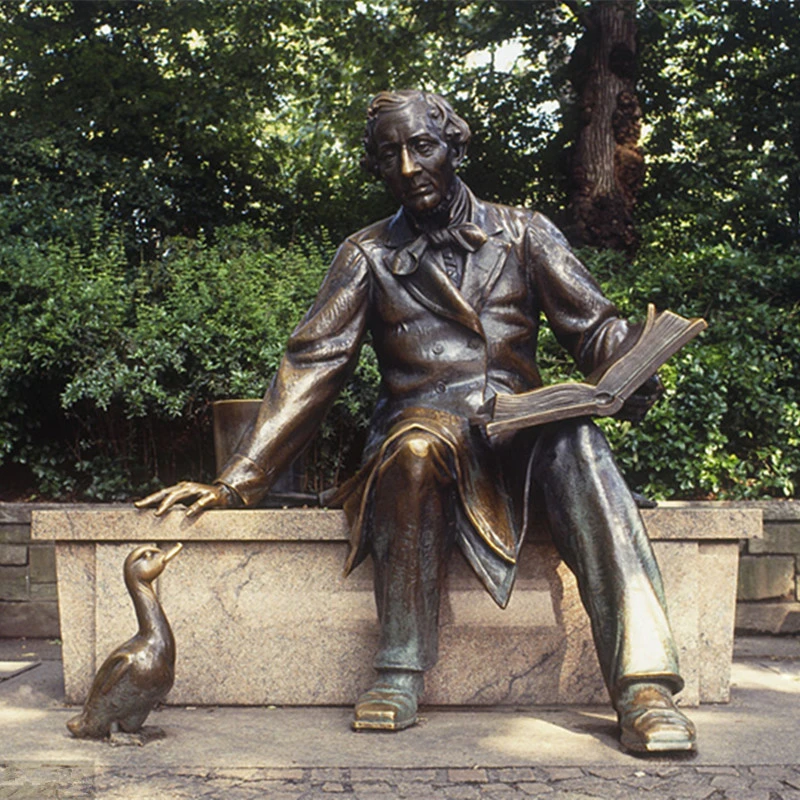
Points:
[(204, 496)]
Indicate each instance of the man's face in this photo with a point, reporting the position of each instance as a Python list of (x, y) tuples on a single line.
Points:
[(414, 160)]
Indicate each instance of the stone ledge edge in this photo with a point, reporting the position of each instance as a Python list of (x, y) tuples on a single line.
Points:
[(122, 523)]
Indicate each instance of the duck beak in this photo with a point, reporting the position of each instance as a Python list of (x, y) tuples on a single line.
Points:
[(172, 553)]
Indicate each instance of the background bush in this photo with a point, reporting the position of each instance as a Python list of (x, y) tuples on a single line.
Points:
[(107, 372), (729, 425)]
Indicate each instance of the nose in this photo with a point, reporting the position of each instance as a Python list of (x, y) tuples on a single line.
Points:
[(408, 164)]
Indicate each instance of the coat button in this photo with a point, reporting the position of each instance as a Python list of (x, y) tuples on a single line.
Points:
[(441, 387), (438, 348)]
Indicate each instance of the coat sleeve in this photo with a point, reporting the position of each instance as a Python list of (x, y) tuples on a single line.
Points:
[(320, 356), (585, 322)]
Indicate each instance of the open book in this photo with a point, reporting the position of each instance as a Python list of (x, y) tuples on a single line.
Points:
[(605, 391)]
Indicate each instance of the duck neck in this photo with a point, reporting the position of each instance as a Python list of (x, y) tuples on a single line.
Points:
[(151, 618)]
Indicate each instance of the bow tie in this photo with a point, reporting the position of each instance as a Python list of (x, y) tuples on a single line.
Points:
[(467, 236)]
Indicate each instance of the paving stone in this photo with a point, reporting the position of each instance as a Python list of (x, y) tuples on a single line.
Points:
[(272, 774), (697, 789), (501, 791), (610, 773), (322, 774), (667, 772), (189, 772), (754, 793), (535, 788), (294, 794), (515, 774), (731, 783), (767, 784), (562, 773), (792, 780), (461, 791), (412, 775), (722, 770), (237, 792), (44, 782), (644, 780), (237, 773), (610, 789), (416, 790), (467, 776), (373, 789), (361, 774)]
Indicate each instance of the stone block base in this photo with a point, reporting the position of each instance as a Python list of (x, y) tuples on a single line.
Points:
[(33, 619), (773, 618), (262, 614)]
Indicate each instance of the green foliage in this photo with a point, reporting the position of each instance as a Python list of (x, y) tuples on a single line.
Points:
[(99, 361), (729, 424), (180, 117), (721, 96)]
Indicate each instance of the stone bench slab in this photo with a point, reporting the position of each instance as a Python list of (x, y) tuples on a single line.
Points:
[(263, 615)]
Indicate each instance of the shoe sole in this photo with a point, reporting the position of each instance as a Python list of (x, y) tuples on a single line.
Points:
[(635, 745), (382, 725)]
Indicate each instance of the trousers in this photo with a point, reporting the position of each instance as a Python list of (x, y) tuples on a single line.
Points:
[(596, 528)]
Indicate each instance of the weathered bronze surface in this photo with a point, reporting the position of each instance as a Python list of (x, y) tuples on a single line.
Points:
[(232, 418), (451, 290), (138, 674)]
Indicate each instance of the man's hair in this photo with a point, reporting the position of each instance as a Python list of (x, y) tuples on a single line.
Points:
[(453, 129)]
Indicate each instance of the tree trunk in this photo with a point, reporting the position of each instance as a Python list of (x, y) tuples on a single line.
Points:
[(607, 166)]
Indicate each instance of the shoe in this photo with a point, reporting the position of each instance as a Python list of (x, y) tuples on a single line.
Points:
[(650, 722), (391, 704)]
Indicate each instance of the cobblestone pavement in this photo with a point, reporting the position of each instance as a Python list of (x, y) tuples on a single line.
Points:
[(749, 750), (652, 781)]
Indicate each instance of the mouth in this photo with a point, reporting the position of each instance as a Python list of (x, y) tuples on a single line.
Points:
[(419, 191)]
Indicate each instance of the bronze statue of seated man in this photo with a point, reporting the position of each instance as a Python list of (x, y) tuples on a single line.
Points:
[(451, 290)]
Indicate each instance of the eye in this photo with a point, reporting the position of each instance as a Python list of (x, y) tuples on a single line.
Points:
[(425, 147)]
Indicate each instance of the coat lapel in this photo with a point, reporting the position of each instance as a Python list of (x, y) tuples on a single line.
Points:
[(428, 284), (431, 287), (483, 268)]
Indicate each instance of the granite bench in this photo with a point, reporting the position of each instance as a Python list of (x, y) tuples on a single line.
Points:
[(263, 615)]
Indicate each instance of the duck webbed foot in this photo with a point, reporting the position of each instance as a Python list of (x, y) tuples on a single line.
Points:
[(150, 733)]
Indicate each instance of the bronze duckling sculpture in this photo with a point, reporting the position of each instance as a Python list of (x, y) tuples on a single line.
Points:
[(140, 673)]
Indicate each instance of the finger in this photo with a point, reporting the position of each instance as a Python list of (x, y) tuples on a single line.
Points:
[(206, 500), (177, 495), (151, 499)]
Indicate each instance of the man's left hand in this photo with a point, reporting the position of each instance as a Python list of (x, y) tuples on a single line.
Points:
[(641, 401)]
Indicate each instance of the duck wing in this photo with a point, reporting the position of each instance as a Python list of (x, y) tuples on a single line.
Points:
[(111, 673)]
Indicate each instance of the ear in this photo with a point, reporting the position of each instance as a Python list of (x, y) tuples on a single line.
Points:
[(458, 151)]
